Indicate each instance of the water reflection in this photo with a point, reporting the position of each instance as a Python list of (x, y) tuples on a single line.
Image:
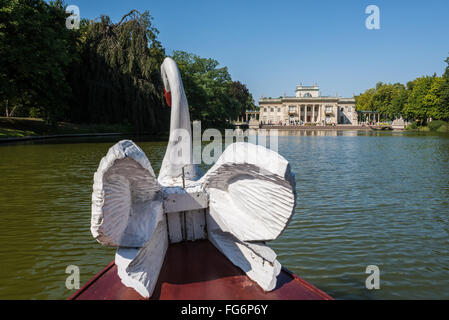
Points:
[(317, 133)]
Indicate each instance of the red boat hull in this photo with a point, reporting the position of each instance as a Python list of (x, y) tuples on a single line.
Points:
[(198, 271)]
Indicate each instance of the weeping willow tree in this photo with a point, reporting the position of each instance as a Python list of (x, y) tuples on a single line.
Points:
[(117, 78)]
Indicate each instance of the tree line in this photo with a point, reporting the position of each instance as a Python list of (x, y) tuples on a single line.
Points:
[(103, 72), (423, 99)]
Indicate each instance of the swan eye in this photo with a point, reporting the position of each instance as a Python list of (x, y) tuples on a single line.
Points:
[(167, 97)]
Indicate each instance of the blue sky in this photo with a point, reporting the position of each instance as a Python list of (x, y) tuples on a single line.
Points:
[(273, 45)]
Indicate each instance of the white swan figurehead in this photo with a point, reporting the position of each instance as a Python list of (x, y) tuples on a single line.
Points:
[(178, 156), (247, 198)]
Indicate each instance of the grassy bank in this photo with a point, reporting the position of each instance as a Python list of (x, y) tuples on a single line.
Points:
[(435, 126), (27, 127)]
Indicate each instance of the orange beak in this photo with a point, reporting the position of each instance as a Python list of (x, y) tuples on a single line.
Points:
[(167, 97)]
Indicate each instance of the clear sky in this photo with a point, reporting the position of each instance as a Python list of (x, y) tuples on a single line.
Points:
[(273, 45)]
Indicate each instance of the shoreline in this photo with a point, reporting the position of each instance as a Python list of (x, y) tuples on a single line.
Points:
[(56, 136), (319, 128)]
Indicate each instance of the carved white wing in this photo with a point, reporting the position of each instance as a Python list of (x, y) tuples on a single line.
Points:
[(139, 268), (126, 198), (251, 200), (251, 191)]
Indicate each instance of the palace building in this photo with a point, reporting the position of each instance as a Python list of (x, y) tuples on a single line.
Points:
[(308, 106)]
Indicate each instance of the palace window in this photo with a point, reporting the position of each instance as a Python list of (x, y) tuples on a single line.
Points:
[(265, 109), (307, 95), (279, 109), (309, 109), (272, 110)]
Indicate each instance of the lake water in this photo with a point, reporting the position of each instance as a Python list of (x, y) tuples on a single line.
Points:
[(364, 198)]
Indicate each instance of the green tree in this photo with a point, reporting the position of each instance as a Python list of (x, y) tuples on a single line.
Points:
[(387, 99), (442, 110), (213, 97), (364, 101), (433, 101), (34, 57), (240, 92), (382, 96), (398, 101), (423, 98)]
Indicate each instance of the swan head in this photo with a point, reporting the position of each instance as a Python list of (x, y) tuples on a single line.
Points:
[(173, 88)]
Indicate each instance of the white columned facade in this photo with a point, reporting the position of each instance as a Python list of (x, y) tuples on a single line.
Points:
[(286, 108)]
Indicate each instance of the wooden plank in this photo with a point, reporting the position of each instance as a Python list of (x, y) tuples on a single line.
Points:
[(187, 226), (176, 202), (195, 225), (175, 227)]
